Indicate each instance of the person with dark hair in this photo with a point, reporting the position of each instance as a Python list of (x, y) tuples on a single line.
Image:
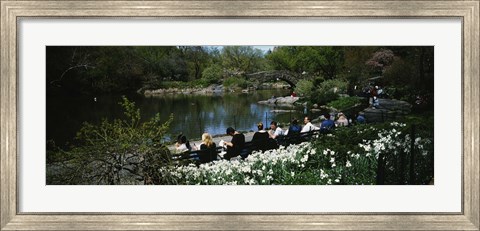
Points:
[(261, 134), (275, 131), (328, 124), (308, 125), (208, 148), (183, 145), (234, 148), (294, 128), (261, 139)]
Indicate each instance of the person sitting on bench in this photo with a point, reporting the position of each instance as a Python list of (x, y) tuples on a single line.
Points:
[(208, 149), (327, 125), (260, 138), (308, 125), (234, 148)]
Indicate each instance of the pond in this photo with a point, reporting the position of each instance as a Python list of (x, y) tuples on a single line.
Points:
[(193, 114)]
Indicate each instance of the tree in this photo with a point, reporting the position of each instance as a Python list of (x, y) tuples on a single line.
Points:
[(196, 58), (381, 60), (164, 62), (326, 62), (356, 71), (240, 60)]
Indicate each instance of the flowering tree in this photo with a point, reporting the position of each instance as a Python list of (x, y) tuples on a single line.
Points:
[(381, 60)]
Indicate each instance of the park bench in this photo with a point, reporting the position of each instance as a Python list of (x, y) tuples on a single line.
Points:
[(196, 155), (297, 138)]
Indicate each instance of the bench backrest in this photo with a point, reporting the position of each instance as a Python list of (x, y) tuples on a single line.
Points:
[(252, 146)]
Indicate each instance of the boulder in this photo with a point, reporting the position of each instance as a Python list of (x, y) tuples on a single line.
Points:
[(388, 109), (288, 100), (395, 105)]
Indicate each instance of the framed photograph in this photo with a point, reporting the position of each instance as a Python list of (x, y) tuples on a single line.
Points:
[(108, 111)]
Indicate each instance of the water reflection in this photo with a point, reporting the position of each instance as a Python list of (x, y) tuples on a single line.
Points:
[(193, 114)]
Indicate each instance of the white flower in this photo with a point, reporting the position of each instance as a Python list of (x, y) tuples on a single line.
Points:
[(292, 174), (348, 165), (323, 175), (337, 180), (332, 160)]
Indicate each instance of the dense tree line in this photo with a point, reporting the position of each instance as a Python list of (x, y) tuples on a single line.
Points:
[(105, 69)]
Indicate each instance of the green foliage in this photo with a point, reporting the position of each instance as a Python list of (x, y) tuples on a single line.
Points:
[(324, 61), (399, 73), (122, 151), (239, 60), (328, 91), (344, 103), (198, 83), (304, 88), (235, 82), (340, 157), (212, 74), (196, 59), (94, 70), (348, 156)]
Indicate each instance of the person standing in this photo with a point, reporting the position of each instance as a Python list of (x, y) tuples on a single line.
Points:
[(234, 147)]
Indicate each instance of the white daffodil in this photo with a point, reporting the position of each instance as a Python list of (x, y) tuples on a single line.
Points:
[(348, 164)]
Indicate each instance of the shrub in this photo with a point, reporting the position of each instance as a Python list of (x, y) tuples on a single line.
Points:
[(344, 103), (122, 151), (235, 82), (304, 88), (212, 74), (328, 91)]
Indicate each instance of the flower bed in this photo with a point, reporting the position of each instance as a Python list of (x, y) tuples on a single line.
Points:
[(348, 157)]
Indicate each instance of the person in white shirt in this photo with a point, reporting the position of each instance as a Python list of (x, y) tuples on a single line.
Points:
[(308, 125), (275, 131)]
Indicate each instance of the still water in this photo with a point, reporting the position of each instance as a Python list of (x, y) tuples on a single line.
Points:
[(193, 114)]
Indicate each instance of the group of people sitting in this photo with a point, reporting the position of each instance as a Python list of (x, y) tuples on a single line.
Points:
[(262, 139), (209, 147)]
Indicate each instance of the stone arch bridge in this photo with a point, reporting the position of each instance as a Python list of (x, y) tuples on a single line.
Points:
[(290, 77)]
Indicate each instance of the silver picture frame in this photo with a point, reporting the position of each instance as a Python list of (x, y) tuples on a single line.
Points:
[(12, 219)]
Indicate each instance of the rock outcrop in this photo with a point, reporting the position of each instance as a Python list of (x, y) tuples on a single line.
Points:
[(288, 100), (388, 109), (212, 89)]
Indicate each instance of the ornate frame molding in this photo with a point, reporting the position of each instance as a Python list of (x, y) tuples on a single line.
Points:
[(11, 11)]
